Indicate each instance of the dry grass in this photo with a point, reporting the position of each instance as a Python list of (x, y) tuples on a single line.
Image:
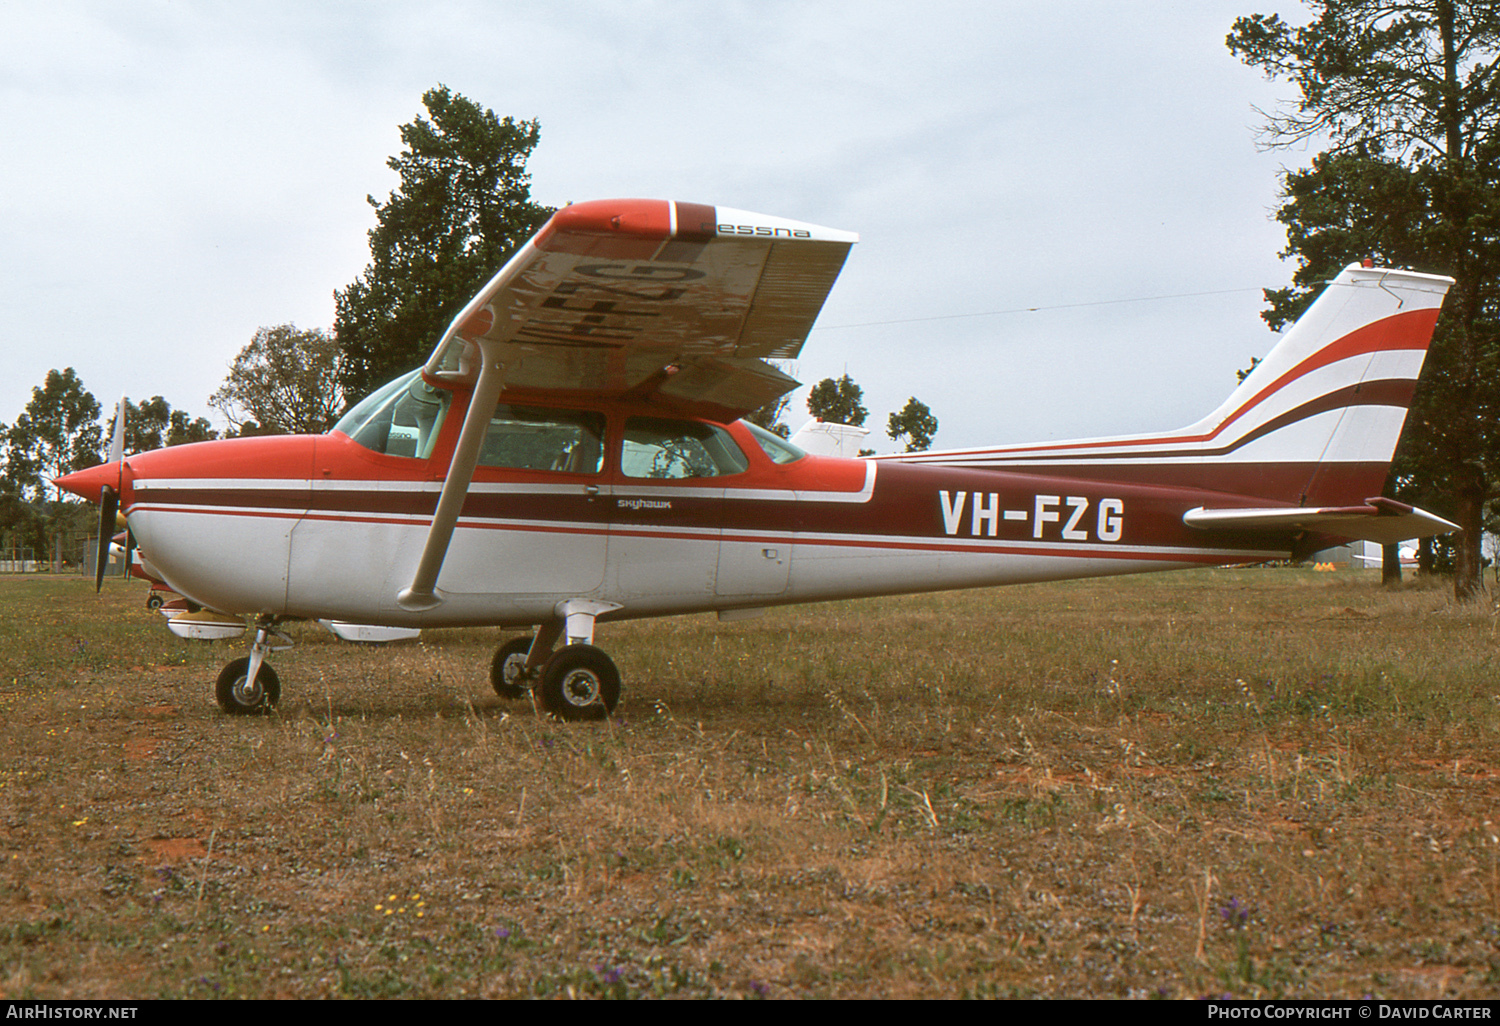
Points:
[(1256, 783)]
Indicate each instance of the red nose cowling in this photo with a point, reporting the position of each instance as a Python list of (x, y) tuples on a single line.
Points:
[(87, 483)]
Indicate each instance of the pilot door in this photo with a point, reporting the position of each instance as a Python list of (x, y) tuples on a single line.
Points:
[(667, 539)]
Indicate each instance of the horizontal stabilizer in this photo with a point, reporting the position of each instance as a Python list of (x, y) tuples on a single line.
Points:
[(1379, 520)]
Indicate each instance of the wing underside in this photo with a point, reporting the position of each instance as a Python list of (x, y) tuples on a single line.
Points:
[(681, 299)]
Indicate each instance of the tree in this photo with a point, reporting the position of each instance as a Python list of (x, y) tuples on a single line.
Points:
[(153, 424), (463, 207), (57, 434), (145, 424), (182, 431), (837, 402), (769, 417), (916, 423), (22, 527), (286, 381), (1390, 564), (1407, 92)]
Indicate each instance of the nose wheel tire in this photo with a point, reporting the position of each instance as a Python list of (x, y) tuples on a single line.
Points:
[(508, 674), (235, 694), (579, 682)]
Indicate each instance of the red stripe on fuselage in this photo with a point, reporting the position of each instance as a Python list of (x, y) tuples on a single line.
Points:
[(976, 547), (906, 509)]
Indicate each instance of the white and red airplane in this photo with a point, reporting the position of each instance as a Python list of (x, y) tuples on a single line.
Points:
[(572, 453)]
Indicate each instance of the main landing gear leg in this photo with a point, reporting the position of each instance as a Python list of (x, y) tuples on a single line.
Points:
[(518, 663), (578, 681), (248, 684)]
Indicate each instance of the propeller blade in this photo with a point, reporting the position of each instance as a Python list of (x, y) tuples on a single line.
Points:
[(117, 439), (109, 502)]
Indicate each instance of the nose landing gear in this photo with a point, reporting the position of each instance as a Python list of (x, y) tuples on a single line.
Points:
[(248, 685)]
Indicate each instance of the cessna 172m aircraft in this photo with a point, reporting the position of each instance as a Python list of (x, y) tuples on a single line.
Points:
[(571, 453)]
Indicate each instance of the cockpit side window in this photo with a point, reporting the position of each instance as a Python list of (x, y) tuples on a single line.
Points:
[(655, 447), (537, 438), (401, 419)]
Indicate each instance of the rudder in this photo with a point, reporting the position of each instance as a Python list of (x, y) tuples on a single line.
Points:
[(1316, 422), (1332, 395)]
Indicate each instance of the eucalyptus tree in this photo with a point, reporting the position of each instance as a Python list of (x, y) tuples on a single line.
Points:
[(286, 381), (915, 423), (58, 433), (838, 402), (153, 424)]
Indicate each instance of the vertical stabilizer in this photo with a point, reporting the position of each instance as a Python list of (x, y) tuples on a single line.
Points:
[(1316, 422)]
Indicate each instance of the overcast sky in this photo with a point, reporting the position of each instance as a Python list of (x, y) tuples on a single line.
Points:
[(174, 175)]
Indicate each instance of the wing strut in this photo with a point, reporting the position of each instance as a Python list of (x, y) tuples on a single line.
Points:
[(422, 594)]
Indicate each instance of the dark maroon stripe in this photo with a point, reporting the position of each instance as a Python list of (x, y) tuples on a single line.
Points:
[(1395, 392), (696, 222), (905, 508)]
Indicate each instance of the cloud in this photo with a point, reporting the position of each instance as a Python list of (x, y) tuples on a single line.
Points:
[(176, 176)]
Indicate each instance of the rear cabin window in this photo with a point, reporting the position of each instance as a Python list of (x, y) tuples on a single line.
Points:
[(537, 438), (778, 449), (676, 449)]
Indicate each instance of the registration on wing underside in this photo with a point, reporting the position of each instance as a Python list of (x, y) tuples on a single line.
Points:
[(699, 316)]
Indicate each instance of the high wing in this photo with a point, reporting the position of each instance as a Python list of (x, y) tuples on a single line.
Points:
[(681, 299), (618, 297)]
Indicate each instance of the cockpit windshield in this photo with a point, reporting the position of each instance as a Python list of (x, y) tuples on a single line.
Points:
[(400, 419)]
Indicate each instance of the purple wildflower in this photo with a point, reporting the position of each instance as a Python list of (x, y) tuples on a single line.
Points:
[(1235, 914)]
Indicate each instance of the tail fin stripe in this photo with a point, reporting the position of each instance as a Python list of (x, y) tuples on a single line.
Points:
[(1365, 341), (1405, 331), (1393, 392)]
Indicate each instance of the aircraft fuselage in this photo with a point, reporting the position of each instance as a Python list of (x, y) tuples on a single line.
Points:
[(333, 529)]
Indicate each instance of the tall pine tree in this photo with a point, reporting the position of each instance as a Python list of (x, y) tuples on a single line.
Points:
[(463, 207), (1408, 95)]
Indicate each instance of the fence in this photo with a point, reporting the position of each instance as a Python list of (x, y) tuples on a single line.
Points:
[(72, 553), (15, 559)]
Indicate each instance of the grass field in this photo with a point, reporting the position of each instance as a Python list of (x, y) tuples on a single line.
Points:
[(1250, 782)]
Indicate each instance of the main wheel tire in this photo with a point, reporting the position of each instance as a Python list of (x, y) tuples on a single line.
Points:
[(508, 674), (154, 601), (237, 699), (579, 682)]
